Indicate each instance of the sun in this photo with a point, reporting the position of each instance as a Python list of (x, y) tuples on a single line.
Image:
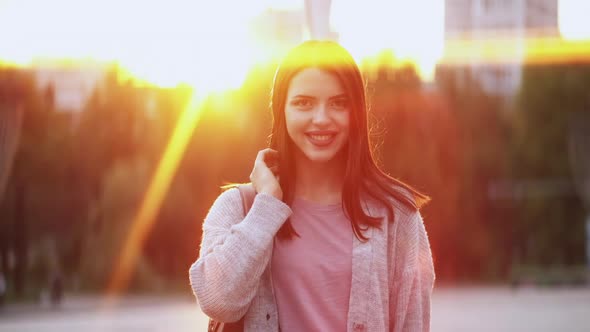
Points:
[(205, 45)]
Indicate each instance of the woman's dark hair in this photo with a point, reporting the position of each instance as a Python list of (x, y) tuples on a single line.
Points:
[(362, 175)]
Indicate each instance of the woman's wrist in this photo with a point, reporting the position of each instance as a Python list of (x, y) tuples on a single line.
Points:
[(275, 192)]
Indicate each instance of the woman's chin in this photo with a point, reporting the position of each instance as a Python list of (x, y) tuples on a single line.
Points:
[(322, 158)]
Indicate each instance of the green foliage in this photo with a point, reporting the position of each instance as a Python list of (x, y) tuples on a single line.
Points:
[(80, 178), (551, 227)]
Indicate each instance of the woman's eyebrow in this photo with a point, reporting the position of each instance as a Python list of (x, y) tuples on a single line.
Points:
[(339, 96), (302, 96), (342, 95)]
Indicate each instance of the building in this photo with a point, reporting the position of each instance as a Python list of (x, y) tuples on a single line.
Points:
[(317, 17), (278, 30), (491, 20), (71, 85)]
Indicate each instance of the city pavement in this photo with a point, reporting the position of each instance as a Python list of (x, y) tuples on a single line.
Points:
[(453, 309)]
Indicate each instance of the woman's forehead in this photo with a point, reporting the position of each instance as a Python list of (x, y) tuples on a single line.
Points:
[(315, 82)]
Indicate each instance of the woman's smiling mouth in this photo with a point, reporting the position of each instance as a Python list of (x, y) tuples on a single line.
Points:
[(321, 138)]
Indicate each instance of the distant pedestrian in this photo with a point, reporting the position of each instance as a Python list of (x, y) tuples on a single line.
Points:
[(56, 289), (3, 288)]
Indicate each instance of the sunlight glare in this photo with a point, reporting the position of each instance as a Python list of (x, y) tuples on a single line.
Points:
[(208, 44), (413, 30), (530, 51), (166, 43), (573, 19)]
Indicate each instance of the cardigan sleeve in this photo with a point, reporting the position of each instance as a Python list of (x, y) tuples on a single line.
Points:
[(234, 252), (413, 279)]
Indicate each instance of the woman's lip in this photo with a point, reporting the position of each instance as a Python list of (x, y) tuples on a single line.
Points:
[(321, 132), (322, 142)]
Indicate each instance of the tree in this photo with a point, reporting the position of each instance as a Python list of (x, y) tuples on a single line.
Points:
[(551, 227)]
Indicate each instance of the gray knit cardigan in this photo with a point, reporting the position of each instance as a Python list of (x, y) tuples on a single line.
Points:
[(392, 272)]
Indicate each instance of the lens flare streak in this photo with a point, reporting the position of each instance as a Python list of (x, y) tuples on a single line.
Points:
[(154, 196), (529, 51)]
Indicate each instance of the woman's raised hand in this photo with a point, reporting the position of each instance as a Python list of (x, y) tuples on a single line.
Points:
[(264, 176)]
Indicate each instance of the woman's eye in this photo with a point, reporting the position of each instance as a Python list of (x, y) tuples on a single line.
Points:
[(304, 103), (340, 103)]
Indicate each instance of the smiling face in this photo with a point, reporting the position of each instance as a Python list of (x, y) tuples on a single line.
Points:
[(317, 115)]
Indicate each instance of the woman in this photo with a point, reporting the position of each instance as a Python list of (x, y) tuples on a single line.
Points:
[(331, 243)]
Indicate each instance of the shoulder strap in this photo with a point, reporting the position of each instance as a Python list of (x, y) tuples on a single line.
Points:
[(247, 194)]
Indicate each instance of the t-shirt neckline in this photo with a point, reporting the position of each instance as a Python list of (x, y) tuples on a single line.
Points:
[(310, 205)]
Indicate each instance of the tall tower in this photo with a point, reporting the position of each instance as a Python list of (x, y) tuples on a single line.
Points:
[(514, 20), (317, 15)]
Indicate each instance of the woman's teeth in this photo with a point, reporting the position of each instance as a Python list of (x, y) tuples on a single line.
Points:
[(321, 137)]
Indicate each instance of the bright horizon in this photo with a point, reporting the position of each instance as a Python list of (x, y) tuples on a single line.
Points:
[(163, 42)]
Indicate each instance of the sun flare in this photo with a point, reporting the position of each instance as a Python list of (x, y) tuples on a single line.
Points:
[(412, 30), (211, 46), (573, 20), (165, 43)]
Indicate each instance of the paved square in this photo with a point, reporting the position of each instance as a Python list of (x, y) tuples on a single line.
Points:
[(453, 310)]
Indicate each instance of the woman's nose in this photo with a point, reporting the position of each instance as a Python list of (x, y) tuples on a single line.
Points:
[(320, 115)]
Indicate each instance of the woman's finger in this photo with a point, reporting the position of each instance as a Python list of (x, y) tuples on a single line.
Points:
[(267, 156), (274, 169), (262, 154)]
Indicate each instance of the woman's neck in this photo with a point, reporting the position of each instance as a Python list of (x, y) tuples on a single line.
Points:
[(319, 182)]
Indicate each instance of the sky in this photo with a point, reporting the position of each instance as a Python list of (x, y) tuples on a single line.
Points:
[(172, 41)]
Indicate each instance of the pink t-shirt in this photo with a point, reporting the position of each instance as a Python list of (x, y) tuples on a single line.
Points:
[(312, 274)]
